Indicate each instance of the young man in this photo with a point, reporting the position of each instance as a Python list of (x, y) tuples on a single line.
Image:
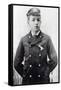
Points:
[(33, 49)]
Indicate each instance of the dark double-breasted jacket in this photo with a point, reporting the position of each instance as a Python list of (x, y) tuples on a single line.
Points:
[(34, 50)]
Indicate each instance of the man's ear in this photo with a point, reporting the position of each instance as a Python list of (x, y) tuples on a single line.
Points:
[(28, 17), (28, 21)]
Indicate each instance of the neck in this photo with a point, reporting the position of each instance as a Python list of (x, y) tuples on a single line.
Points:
[(35, 32)]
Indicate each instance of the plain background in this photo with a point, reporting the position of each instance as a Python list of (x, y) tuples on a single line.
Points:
[(49, 25), (4, 45)]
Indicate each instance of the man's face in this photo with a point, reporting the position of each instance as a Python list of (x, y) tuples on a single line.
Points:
[(34, 22)]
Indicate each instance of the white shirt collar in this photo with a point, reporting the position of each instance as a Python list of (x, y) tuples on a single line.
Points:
[(36, 33)]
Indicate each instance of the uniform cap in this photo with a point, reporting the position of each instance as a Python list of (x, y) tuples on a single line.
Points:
[(34, 12)]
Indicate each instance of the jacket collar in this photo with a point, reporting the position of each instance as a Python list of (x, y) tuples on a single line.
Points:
[(34, 40)]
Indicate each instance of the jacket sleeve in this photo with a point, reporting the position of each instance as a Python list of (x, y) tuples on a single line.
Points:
[(52, 55), (19, 58)]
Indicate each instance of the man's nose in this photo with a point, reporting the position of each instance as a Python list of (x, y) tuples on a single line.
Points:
[(36, 22)]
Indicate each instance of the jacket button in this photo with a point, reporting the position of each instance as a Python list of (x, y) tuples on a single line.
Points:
[(40, 36), (39, 54), (39, 65), (38, 75), (30, 76), (30, 66), (29, 55)]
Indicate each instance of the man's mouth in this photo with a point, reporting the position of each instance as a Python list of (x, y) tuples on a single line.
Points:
[(36, 26)]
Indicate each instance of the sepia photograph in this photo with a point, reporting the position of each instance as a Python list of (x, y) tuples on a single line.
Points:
[(35, 44)]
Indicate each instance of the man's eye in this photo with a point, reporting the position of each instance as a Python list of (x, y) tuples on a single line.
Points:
[(33, 19), (38, 19)]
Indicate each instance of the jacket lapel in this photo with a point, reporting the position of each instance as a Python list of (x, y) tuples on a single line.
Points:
[(34, 40)]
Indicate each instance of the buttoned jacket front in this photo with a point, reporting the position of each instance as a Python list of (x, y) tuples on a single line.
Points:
[(34, 50)]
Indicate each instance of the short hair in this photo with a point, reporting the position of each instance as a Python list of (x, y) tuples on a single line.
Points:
[(34, 12)]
